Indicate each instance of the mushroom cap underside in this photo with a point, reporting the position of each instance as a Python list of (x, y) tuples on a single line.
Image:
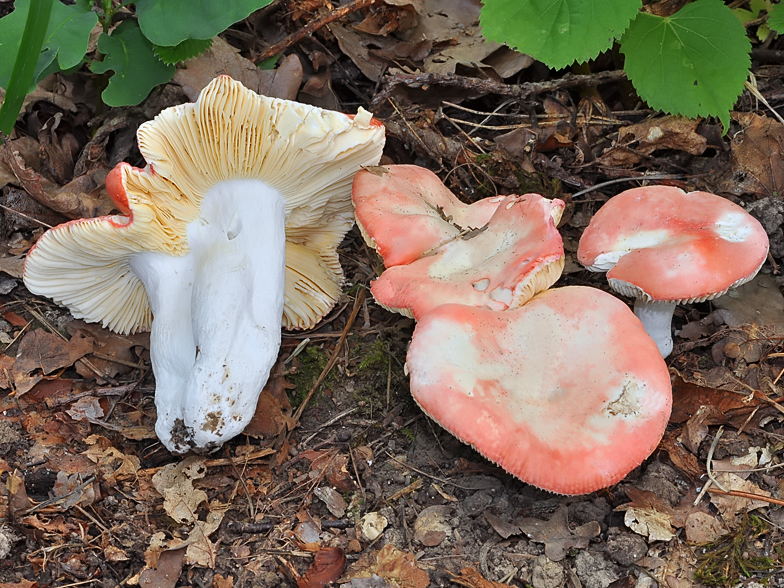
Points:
[(516, 254), (568, 392), (308, 154), (659, 243)]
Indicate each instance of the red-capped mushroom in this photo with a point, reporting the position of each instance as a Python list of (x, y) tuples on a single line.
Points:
[(440, 256), (405, 210), (663, 247), (567, 393)]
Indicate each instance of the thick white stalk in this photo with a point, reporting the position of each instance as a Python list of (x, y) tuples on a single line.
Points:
[(232, 302), (656, 317)]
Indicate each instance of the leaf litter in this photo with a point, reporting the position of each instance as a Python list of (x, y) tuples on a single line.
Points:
[(360, 489)]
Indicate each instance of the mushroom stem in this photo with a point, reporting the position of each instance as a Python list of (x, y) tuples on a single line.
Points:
[(656, 317), (217, 315)]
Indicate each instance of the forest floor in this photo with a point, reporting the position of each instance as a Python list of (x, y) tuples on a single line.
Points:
[(361, 488)]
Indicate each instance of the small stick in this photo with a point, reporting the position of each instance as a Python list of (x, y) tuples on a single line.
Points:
[(710, 458), (311, 28)]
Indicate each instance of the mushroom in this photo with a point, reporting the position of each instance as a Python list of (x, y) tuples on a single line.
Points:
[(663, 247), (230, 231), (567, 393), (496, 253)]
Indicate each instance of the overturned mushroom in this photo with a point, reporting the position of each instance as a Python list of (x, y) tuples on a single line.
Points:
[(568, 392), (496, 253), (663, 247), (230, 229)]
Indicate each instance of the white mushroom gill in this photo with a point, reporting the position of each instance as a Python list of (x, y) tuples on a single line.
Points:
[(217, 314)]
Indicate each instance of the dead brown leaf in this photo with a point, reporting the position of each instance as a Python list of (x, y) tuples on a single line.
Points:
[(641, 139), (327, 566), (696, 428), (223, 59), (687, 398), (556, 535), (109, 344), (82, 197), (757, 157), (20, 584), (273, 410), (390, 563), (41, 353), (218, 581), (18, 501), (175, 483), (166, 572), (471, 578)]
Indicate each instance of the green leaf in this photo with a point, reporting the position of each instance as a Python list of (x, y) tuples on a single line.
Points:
[(170, 22), (69, 32), (557, 32), (66, 39), (136, 68), (776, 18), (28, 50), (187, 49), (692, 63)]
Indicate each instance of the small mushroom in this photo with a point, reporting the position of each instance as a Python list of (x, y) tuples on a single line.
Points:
[(663, 247), (230, 231), (567, 393), (441, 253)]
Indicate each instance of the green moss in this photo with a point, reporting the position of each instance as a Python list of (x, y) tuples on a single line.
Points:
[(724, 561), (377, 356), (310, 363), (538, 183)]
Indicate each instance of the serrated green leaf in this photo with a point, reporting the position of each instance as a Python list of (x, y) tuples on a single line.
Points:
[(186, 50), (136, 68), (66, 38), (776, 18), (557, 32), (170, 22), (692, 63)]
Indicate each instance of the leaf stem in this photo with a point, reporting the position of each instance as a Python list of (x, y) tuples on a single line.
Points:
[(30, 47)]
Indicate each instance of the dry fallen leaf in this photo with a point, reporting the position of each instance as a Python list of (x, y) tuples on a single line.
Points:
[(327, 566), (650, 523), (391, 564), (41, 353), (175, 483), (731, 506), (757, 162), (667, 132), (556, 535), (223, 59), (471, 578), (166, 571)]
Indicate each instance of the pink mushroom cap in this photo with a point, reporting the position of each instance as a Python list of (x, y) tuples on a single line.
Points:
[(518, 253), (404, 211), (567, 393), (662, 244)]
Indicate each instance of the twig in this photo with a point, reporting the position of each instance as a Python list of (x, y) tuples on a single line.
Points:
[(635, 179), (431, 476), (713, 446), (749, 495), (23, 215), (57, 499), (332, 360), (486, 86), (329, 423), (312, 27)]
